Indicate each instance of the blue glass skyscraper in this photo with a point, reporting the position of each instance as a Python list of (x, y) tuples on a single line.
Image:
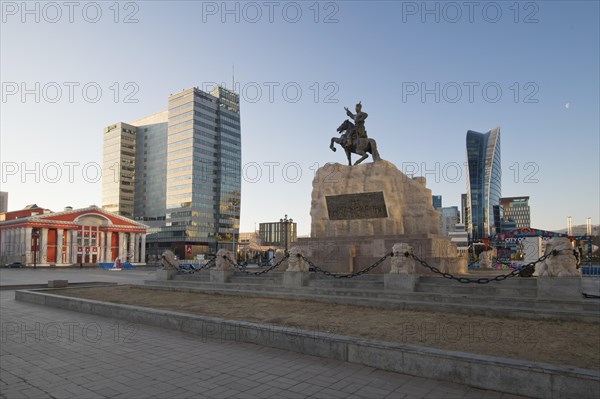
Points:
[(483, 180)]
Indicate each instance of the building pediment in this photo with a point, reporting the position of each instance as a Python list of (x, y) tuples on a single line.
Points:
[(91, 216)]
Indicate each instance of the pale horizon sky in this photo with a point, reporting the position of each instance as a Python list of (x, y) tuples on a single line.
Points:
[(531, 68)]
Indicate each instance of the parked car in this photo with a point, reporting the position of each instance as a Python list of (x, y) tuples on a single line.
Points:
[(14, 265)]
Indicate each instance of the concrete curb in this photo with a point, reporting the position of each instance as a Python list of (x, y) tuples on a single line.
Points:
[(70, 285), (538, 380)]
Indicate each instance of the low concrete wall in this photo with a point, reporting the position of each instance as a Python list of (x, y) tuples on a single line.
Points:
[(72, 285), (518, 377)]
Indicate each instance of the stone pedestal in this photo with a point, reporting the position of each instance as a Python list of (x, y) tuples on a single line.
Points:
[(559, 288), (220, 276), (400, 282), (295, 279), (163, 274), (359, 212), (350, 254), (57, 283), (370, 199)]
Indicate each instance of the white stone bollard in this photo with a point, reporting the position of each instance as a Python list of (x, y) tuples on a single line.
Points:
[(297, 274), (402, 276)]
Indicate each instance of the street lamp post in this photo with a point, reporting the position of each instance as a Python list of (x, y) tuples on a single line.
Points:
[(35, 234), (285, 222)]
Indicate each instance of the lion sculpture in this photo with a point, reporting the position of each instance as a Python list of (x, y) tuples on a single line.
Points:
[(224, 260), (169, 260), (295, 261), (563, 264), (401, 264), (486, 258)]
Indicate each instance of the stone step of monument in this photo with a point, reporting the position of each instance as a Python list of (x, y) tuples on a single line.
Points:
[(363, 293), (592, 305), (347, 283), (479, 290), (526, 308), (362, 277), (266, 278), (192, 277), (519, 282)]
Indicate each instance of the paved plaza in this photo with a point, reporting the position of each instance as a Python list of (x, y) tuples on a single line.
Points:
[(55, 353)]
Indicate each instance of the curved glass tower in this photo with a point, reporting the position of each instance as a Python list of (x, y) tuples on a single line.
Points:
[(483, 180)]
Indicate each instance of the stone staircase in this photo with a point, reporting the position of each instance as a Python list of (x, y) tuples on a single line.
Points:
[(513, 297)]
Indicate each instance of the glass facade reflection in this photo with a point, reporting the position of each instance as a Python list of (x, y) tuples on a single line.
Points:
[(484, 181), (187, 176), (119, 161)]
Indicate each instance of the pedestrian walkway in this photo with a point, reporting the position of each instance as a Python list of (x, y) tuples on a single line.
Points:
[(41, 275), (55, 353)]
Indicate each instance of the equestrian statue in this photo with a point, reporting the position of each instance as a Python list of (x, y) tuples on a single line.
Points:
[(354, 137)]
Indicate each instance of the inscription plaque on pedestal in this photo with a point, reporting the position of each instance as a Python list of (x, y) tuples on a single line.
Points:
[(356, 206)]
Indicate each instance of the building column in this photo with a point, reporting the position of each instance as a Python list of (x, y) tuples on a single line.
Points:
[(143, 248), (59, 246), (100, 243), (107, 247), (8, 245), (68, 237), (20, 244), (43, 246), (124, 246), (15, 243), (28, 253), (3, 246), (121, 241), (2, 242), (136, 238), (74, 246), (132, 249)]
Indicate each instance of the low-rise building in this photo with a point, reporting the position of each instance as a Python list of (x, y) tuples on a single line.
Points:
[(38, 236)]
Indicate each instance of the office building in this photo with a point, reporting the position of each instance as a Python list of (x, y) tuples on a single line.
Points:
[(516, 209), (118, 164), (464, 206), (460, 237), (275, 234), (436, 201), (3, 201), (186, 172), (450, 218), (484, 176)]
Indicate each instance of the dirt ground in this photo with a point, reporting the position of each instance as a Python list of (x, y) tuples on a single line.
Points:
[(565, 343)]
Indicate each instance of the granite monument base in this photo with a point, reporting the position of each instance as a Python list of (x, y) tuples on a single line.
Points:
[(295, 279), (351, 254), (559, 288), (400, 282), (163, 274), (220, 276)]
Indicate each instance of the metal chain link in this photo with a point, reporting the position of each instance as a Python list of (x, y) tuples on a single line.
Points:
[(243, 270), (358, 273), (193, 270), (590, 296), (525, 271)]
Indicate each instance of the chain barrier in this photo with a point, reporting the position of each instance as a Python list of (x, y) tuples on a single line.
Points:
[(358, 273), (243, 269), (525, 271), (193, 269)]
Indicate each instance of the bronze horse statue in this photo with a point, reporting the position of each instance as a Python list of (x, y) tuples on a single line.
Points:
[(362, 146)]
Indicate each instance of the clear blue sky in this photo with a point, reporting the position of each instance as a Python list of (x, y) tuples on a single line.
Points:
[(543, 56)]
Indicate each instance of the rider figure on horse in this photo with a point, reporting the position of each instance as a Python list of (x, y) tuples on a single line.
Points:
[(359, 122)]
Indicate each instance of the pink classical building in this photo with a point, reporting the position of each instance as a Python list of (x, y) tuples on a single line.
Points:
[(38, 236)]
